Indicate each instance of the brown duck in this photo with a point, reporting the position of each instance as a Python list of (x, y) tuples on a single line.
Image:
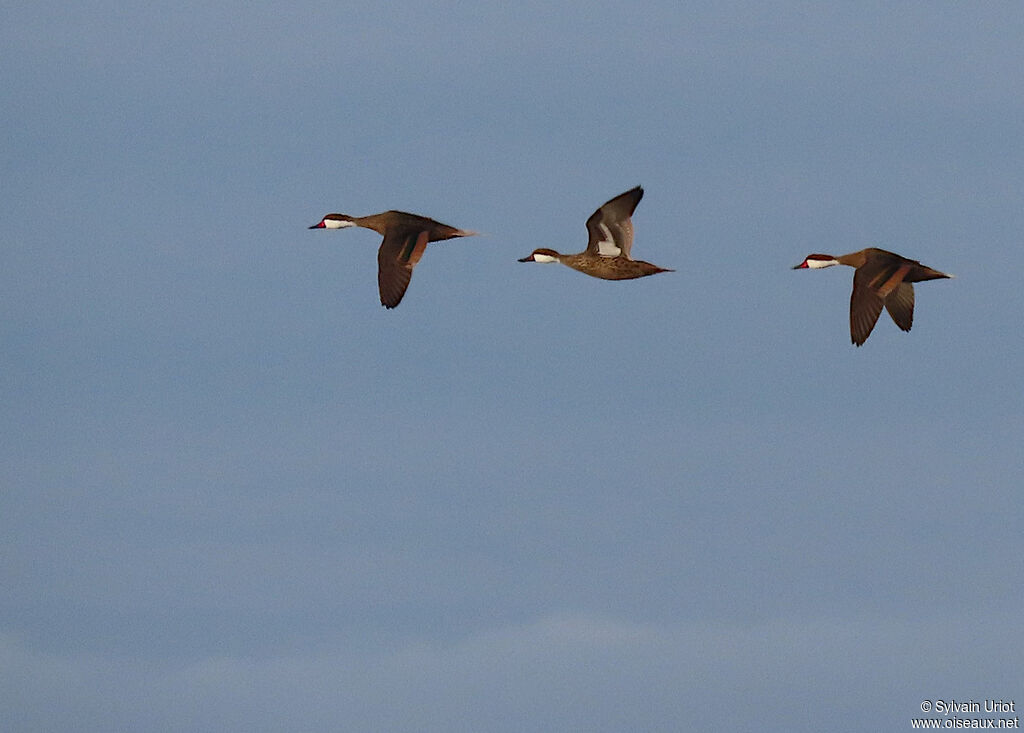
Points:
[(405, 239), (881, 278), (611, 239)]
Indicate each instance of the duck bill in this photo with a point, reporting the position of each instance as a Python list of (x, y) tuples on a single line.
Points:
[(318, 226)]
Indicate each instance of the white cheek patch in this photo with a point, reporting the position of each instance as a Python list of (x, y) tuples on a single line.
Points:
[(818, 264), (544, 258), (607, 247), (337, 224)]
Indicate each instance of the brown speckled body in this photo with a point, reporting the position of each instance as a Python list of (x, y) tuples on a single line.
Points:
[(609, 268)]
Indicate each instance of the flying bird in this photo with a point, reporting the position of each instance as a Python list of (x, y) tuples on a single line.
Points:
[(405, 239), (607, 255), (881, 278)]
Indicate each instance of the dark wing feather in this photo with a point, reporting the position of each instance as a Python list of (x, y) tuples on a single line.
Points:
[(398, 254), (900, 304), (865, 306), (612, 223)]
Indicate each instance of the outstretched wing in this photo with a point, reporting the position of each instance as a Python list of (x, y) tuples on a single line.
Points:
[(610, 227), (881, 281), (398, 254), (865, 306), (900, 305)]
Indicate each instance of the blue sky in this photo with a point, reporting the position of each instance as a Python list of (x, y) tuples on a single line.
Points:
[(239, 495)]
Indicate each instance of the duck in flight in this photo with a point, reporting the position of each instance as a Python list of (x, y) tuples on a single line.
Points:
[(405, 238), (607, 255), (881, 279)]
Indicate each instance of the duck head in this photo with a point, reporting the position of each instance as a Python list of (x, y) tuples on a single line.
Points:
[(541, 255), (334, 221), (816, 262)]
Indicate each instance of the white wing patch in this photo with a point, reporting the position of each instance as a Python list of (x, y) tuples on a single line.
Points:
[(606, 246)]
